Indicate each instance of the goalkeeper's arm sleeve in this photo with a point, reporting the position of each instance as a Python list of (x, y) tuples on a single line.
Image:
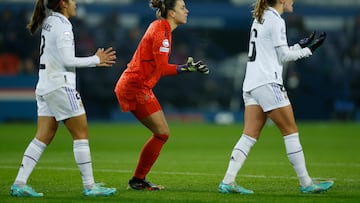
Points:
[(161, 61), (286, 54)]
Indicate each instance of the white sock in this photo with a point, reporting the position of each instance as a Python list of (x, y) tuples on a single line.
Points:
[(238, 157), (296, 157), (31, 156), (83, 160)]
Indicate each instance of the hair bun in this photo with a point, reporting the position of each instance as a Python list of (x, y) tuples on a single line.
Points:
[(156, 3)]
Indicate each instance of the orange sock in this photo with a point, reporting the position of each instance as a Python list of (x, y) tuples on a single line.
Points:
[(149, 154)]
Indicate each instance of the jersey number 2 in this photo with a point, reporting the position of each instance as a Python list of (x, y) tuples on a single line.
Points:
[(42, 45), (252, 47)]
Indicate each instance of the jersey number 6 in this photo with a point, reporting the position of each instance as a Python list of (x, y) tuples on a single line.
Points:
[(252, 47)]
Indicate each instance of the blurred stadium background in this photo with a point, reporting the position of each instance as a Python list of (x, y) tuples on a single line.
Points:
[(323, 87)]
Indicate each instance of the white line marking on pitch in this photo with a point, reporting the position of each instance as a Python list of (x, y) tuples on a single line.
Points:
[(180, 173)]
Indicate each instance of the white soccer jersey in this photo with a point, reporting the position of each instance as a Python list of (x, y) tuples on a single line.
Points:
[(57, 55), (263, 65)]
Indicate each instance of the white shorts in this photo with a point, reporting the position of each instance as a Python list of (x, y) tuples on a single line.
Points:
[(62, 103), (270, 96)]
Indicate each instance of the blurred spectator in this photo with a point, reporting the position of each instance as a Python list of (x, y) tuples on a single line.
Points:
[(9, 64), (9, 59), (27, 67), (9, 33), (15, 44)]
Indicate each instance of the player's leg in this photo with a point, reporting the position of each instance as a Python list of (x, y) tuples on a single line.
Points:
[(279, 110), (77, 126), (70, 109), (283, 117), (284, 120), (45, 132), (157, 124), (46, 129), (254, 120), (151, 116)]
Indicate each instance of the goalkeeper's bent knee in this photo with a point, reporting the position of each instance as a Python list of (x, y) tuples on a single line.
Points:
[(162, 137)]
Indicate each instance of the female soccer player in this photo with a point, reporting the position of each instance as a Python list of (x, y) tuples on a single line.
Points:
[(264, 94), (148, 65), (56, 95)]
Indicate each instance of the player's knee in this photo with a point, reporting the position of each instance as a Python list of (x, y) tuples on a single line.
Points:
[(163, 137)]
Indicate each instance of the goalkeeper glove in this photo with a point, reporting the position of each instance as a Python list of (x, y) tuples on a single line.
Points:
[(307, 40), (192, 66), (317, 42)]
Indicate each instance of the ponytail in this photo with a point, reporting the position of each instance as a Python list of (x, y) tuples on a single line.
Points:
[(39, 13), (38, 16), (259, 8)]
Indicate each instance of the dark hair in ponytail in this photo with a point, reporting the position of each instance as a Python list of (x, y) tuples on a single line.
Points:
[(162, 6), (39, 13), (37, 17)]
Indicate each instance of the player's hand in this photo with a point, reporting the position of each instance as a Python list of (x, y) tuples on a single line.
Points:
[(107, 57), (192, 66), (307, 40), (317, 42)]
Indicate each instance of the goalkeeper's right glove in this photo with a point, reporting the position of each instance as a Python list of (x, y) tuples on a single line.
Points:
[(307, 40), (192, 66), (317, 42)]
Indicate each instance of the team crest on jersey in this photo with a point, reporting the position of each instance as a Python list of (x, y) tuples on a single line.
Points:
[(165, 46)]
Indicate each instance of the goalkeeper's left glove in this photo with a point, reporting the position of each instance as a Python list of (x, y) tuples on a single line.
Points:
[(192, 66)]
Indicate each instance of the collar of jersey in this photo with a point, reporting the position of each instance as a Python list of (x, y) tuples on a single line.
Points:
[(274, 11), (60, 15)]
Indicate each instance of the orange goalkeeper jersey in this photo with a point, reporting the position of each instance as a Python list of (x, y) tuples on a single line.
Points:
[(148, 64)]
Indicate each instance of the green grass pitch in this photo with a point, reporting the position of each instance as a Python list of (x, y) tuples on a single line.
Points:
[(191, 164)]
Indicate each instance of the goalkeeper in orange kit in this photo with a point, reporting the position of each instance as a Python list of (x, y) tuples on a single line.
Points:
[(148, 65)]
